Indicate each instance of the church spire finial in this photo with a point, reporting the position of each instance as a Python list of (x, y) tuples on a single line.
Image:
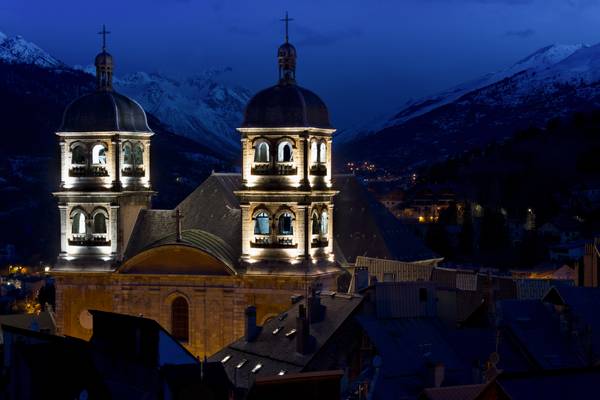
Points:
[(286, 56), (287, 20), (103, 32), (104, 65)]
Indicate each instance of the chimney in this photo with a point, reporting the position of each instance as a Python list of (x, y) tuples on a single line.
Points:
[(250, 323), (302, 331), (437, 373)]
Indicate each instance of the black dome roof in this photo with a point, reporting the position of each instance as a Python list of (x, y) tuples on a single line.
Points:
[(286, 105), (104, 111)]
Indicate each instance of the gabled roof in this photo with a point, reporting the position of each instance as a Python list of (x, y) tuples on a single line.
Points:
[(277, 352), (364, 227), (214, 208)]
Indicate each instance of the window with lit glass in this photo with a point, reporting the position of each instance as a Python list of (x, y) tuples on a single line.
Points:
[(127, 156)]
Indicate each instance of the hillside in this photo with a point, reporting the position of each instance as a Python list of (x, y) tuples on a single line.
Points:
[(553, 82)]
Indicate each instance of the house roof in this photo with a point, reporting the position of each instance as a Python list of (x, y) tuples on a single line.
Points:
[(550, 385), (529, 320), (277, 352)]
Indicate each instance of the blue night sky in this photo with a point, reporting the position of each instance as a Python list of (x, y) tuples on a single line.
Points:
[(364, 58)]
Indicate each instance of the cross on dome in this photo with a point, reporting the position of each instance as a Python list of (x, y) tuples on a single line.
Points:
[(103, 32), (287, 19)]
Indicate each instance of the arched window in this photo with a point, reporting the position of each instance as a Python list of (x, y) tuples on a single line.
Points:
[(314, 156), (324, 222), (78, 226), (262, 225), (127, 156), (322, 152), (286, 224), (78, 155), (138, 155), (315, 224), (100, 223), (284, 152), (99, 154), (261, 152), (180, 319)]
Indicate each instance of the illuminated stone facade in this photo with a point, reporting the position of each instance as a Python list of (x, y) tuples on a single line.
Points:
[(105, 174), (271, 243)]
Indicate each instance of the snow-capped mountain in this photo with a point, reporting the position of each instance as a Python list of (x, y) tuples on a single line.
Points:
[(537, 61), (18, 50), (553, 82), (200, 107), (203, 107)]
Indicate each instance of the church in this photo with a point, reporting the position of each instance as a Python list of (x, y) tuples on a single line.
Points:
[(261, 237)]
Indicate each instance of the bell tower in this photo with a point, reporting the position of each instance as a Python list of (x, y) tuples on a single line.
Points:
[(105, 173), (287, 196)]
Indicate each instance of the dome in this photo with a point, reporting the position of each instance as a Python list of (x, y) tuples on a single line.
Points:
[(286, 105), (104, 111), (103, 58), (286, 50)]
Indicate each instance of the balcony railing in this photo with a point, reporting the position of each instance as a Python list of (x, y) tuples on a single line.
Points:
[(84, 240), (284, 242), (318, 170), (278, 169), (319, 242), (133, 172), (88, 171)]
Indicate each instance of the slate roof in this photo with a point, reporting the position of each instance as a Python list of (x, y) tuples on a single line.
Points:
[(551, 385), (536, 330), (408, 346), (276, 352), (362, 226), (104, 111), (463, 392), (199, 239)]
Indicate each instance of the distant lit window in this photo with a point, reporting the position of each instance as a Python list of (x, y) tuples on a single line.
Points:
[(262, 224), (180, 319), (99, 223), (78, 226), (322, 152), (127, 156), (78, 156), (284, 152), (285, 224), (261, 153), (98, 154)]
